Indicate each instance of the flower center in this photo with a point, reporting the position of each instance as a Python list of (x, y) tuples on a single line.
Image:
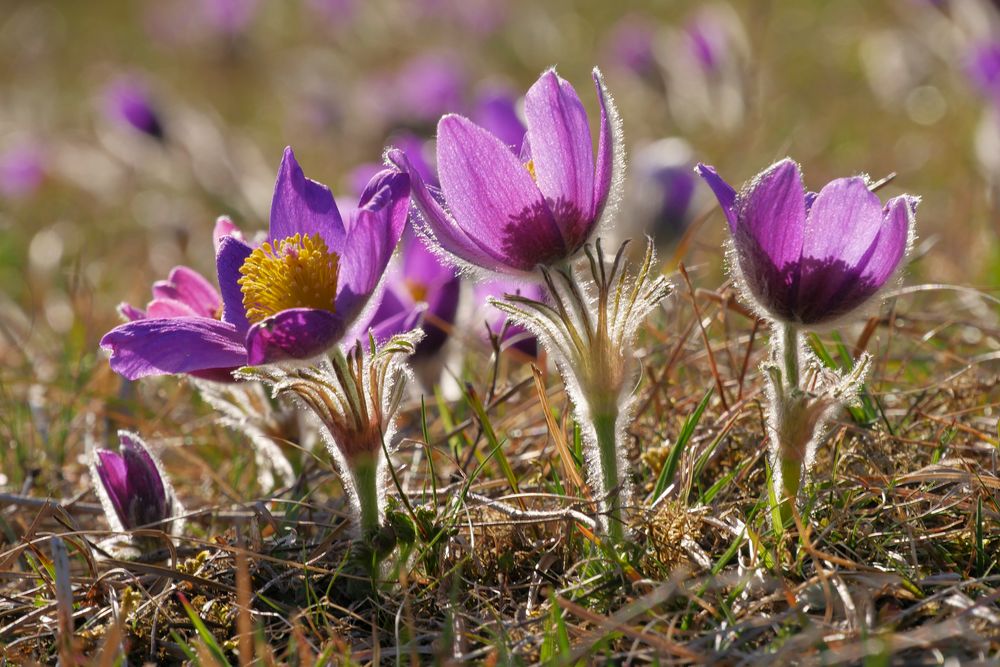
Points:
[(296, 272), (417, 289)]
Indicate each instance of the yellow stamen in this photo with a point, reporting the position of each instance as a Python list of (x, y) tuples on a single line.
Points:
[(417, 290), (296, 272), (530, 166)]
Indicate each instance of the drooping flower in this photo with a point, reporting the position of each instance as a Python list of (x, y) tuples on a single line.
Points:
[(806, 258), (292, 297), (133, 489), (510, 213), (127, 101)]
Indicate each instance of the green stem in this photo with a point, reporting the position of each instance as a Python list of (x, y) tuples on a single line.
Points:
[(786, 493), (791, 478), (367, 487), (607, 446), (790, 355)]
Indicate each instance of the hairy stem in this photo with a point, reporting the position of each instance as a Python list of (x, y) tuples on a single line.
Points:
[(790, 355), (607, 447), (787, 477), (365, 471)]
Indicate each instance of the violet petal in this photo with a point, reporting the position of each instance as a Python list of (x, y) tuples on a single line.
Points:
[(174, 345)]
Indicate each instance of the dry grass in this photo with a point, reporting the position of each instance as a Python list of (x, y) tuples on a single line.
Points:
[(895, 557)]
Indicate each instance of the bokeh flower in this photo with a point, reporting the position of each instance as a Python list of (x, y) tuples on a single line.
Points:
[(420, 281), (291, 298), (512, 334), (807, 258), (127, 101), (22, 170), (510, 213)]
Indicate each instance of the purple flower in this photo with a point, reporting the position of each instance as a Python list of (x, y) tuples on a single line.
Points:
[(631, 44), (127, 101), (132, 487), (983, 68), (420, 278), (514, 334), (809, 258), (292, 297), (510, 213), (229, 17), (22, 170), (665, 187), (707, 41), (428, 86), (496, 111)]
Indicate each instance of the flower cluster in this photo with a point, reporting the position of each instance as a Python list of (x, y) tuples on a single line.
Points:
[(316, 311)]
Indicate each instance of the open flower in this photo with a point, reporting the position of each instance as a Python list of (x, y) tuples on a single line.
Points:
[(806, 258), (510, 213), (133, 489), (292, 297)]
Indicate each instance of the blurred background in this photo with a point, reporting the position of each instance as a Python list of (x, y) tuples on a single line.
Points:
[(127, 127)]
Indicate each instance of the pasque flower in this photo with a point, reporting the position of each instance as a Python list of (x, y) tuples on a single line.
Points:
[(291, 298), (132, 487), (128, 101), (509, 213), (420, 278), (806, 259)]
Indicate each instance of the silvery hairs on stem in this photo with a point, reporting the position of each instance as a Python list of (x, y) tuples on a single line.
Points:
[(590, 328), (245, 408), (354, 398), (797, 418)]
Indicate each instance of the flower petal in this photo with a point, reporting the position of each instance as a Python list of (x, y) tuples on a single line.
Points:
[(843, 221), (173, 345), (609, 170), (723, 192), (190, 287), (395, 315), (438, 224), (374, 231), (147, 498), (130, 313), (303, 206), (493, 198), (224, 227), (231, 254), (893, 238), (161, 308), (773, 211), (296, 333), (562, 153), (113, 476)]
